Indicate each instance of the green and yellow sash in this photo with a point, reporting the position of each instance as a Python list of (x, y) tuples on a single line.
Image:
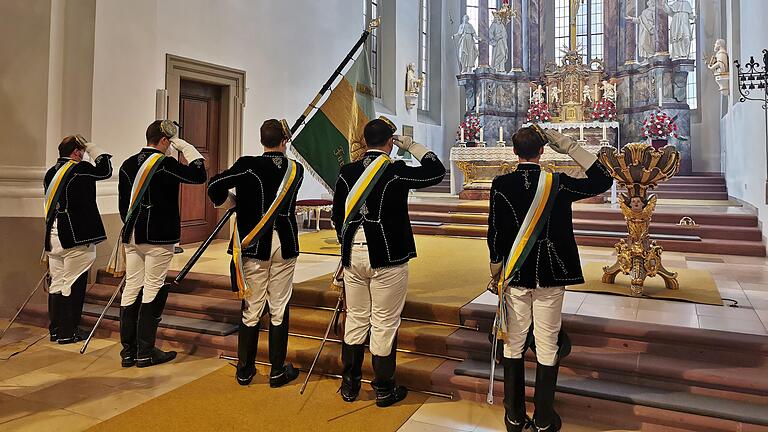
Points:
[(534, 222), (363, 187), (287, 186), (116, 265), (53, 191)]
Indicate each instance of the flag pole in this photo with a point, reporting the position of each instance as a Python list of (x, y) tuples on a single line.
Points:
[(312, 105), (350, 56)]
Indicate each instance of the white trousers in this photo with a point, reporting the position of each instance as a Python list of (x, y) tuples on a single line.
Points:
[(375, 300), (271, 283), (146, 266), (66, 265), (542, 307)]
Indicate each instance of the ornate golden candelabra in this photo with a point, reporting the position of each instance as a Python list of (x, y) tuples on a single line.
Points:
[(639, 167)]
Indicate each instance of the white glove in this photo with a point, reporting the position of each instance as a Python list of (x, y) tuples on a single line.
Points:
[(228, 203), (406, 143), (188, 150), (93, 150), (567, 145), (496, 269)]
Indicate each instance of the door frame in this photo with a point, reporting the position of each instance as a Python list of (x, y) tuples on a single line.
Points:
[(233, 89)]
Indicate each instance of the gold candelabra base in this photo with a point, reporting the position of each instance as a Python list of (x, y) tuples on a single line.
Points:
[(639, 167)]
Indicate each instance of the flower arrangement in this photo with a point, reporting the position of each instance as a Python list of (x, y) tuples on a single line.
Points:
[(604, 110), (539, 113), (470, 127), (659, 125)]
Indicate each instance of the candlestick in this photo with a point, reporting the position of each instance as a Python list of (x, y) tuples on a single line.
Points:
[(481, 134), (581, 133), (462, 134), (501, 133)]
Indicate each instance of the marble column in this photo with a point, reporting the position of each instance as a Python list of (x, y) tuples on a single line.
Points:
[(611, 24), (534, 37), (482, 32), (630, 47), (662, 31), (517, 35)]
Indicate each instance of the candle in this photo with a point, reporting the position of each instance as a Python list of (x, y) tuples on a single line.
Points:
[(462, 134), (501, 133), (581, 133), (605, 136), (660, 95), (597, 95), (477, 104), (481, 134)]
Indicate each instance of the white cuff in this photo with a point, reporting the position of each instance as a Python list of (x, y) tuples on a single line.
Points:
[(418, 151), (228, 203), (581, 156), (94, 151), (190, 153)]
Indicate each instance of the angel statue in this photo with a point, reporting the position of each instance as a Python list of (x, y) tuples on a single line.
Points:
[(538, 95), (466, 46), (586, 94), (609, 91), (554, 94)]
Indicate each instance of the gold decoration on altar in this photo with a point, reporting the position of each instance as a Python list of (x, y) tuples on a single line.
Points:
[(574, 80), (639, 168)]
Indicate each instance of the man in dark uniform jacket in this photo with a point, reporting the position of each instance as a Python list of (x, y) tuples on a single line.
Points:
[(149, 236), (73, 231), (534, 295), (269, 262), (376, 245)]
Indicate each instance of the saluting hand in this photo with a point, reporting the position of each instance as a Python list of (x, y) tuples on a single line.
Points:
[(560, 143)]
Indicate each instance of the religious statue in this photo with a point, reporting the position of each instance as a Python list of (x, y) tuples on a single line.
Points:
[(719, 65), (538, 95), (646, 29), (497, 38), (413, 86), (609, 91), (586, 95), (466, 46), (554, 95), (680, 31)]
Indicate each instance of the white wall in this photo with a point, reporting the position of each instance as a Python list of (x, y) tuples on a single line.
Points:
[(743, 128), (287, 48)]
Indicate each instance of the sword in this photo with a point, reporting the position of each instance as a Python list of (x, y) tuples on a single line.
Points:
[(337, 277), (29, 297), (494, 347), (98, 321)]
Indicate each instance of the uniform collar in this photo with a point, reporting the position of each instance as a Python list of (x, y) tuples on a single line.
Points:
[(273, 153), (64, 159), (528, 166), (149, 149), (374, 152)]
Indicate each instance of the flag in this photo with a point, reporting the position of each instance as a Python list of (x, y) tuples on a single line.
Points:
[(334, 135)]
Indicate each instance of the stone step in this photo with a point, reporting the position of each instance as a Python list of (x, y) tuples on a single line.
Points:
[(701, 371), (413, 370), (697, 179), (747, 416), (420, 337), (703, 231), (691, 187), (170, 321), (598, 213)]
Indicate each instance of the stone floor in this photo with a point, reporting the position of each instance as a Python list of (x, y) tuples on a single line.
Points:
[(50, 386)]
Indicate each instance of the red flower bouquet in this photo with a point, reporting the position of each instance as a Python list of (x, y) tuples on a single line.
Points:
[(471, 126), (604, 110), (659, 125), (539, 113)]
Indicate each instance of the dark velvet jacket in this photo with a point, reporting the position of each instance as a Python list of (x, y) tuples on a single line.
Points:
[(77, 215), (256, 180), (384, 216), (554, 259), (157, 219)]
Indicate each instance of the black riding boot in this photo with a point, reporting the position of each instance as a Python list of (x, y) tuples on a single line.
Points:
[(352, 358), (544, 417), (129, 317), (247, 347), (68, 331), (78, 298), (150, 315), (515, 417), (387, 392), (53, 316), (282, 373)]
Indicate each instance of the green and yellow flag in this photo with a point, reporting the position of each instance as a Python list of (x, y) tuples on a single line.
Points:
[(334, 135)]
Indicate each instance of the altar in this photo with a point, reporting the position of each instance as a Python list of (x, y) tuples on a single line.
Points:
[(474, 168)]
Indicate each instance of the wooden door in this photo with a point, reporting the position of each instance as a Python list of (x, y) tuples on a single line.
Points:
[(200, 116)]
